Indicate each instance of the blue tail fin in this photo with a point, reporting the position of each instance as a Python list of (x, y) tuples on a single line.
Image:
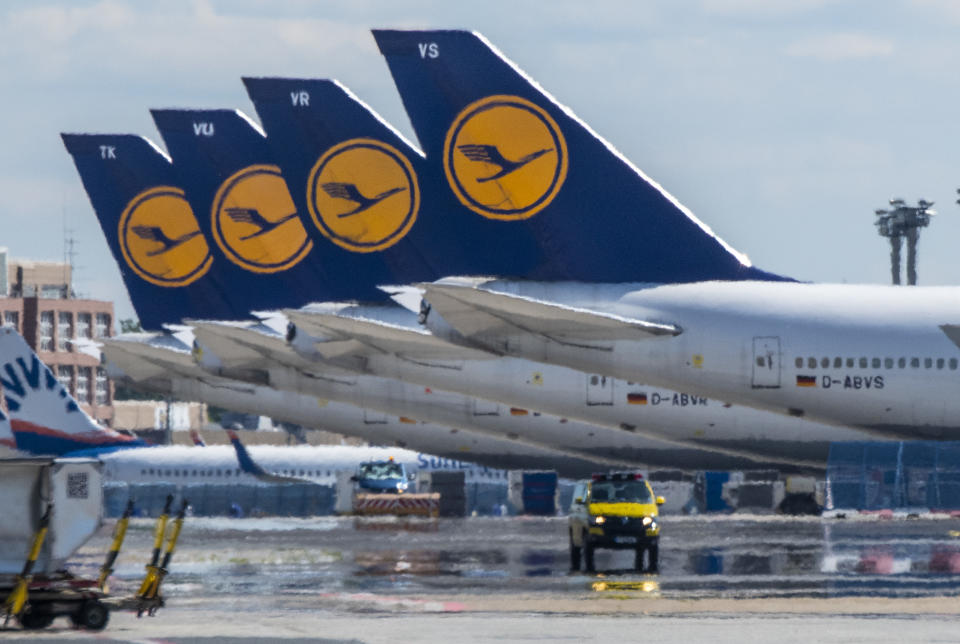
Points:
[(229, 175), (248, 465), (511, 154), (44, 417), (152, 232), (330, 144)]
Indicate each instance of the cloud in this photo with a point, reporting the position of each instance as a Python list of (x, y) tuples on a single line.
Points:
[(841, 46)]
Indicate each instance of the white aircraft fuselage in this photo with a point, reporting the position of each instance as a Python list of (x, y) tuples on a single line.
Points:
[(870, 357)]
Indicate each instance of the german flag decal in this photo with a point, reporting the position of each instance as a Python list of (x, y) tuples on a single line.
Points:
[(517, 411), (636, 399), (806, 381)]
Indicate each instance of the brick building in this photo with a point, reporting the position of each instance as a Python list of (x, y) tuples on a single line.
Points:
[(39, 303)]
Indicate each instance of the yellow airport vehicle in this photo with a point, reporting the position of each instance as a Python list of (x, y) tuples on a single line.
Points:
[(619, 511)]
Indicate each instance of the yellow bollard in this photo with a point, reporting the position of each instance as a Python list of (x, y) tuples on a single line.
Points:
[(119, 533), (158, 533), (153, 591), (18, 596)]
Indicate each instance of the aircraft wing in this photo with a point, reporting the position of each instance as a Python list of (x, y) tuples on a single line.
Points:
[(479, 313), (238, 346), (376, 337), (142, 361)]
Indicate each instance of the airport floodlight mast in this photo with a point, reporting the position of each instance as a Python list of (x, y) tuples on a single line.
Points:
[(899, 222)]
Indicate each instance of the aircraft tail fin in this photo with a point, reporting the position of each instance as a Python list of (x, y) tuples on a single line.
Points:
[(510, 152), (44, 417), (152, 231), (248, 465), (197, 439)]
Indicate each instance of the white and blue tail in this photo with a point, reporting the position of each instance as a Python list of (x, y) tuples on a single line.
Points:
[(43, 417)]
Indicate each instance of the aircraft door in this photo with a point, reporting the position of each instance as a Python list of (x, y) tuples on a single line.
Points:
[(599, 390), (483, 407), (766, 362), (372, 417)]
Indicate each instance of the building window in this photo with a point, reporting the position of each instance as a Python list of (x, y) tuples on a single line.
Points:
[(65, 376), (84, 326), (52, 291), (103, 325), (46, 330), (64, 330), (103, 387), (83, 385), (12, 318)]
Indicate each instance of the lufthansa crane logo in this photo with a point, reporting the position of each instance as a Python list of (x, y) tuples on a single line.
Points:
[(255, 223), (363, 195), (505, 158), (161, 240)]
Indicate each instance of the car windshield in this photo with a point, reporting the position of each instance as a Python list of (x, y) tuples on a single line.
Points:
[(381, 471), (620, 492)]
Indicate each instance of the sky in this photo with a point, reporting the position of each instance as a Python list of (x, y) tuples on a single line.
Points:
[(782, 125)]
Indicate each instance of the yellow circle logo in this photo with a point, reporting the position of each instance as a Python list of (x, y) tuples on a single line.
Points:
[(161, 240), (363, 195), (505, 158), (255, 223)]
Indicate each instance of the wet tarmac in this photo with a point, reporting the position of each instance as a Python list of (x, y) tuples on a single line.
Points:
[(287, 577), (701, 557)]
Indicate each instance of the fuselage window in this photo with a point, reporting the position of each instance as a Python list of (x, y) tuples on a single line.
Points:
[(888, 363), (927, 363), (837, 363), (849, 363), (953, 364), (875, 363), (939, 363), (824, 362), (811, 363), (863, 363), (143, 472), (902, 362), (915, 362)]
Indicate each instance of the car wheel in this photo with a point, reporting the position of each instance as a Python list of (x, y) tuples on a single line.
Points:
[(588, 556), (574, 555), (35, 621), (93, 616), (653, 557)]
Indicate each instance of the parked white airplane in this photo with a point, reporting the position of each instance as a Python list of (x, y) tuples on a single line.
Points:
[(258, 353), (320, 464), (163, 364), (398, 348), (673, 304)]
